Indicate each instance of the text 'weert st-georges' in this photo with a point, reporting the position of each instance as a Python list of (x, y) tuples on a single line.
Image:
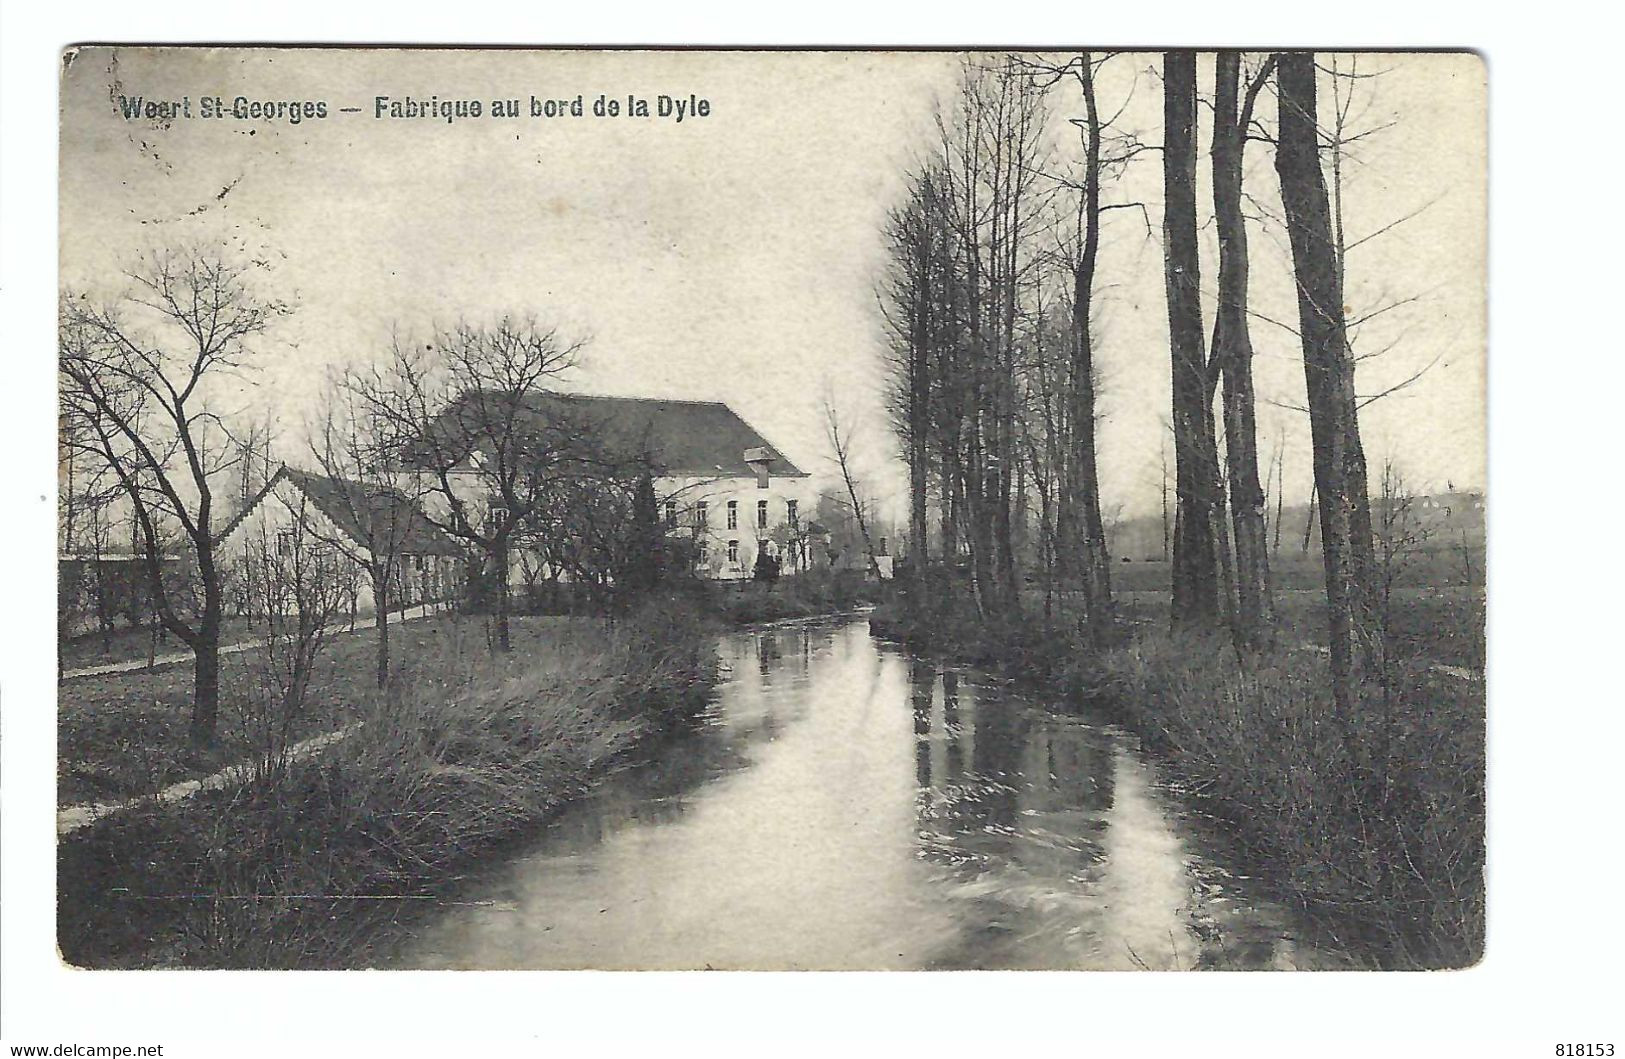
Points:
[(434, 108)]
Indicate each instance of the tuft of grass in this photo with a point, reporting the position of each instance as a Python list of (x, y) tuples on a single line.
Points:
[(309, 866), (1377, 823)]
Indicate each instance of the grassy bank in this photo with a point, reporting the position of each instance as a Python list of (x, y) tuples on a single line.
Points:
[(307, 864), (124, 734), (1376, 829)]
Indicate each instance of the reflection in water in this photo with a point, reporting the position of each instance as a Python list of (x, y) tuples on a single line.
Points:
[(844, 804)]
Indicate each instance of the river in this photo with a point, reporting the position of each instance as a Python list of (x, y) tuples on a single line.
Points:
[(843, 803)]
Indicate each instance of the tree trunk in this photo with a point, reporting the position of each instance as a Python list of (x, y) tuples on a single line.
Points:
[(919, 427), (1233, 349), (500, 562), (205, 682), (1195, 573), (206, 643), (981, 533), (1329, 379), (380, 592), (1280, 495), (1083, 472)]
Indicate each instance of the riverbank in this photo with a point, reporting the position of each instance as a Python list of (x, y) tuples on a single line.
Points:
[(1376, 832), (850, 804), (816, 593), (308, 861)]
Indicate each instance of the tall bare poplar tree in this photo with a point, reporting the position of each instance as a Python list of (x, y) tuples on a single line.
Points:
[(1198, 511), (1083, 532), (1339, 459), (992, 146), (1233, 346), (913, 300)]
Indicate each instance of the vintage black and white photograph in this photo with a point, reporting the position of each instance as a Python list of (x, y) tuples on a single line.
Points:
[(687, 509)]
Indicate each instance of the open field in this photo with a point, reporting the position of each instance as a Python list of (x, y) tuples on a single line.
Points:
[(1292, 570), (136, 648), (1436, 611), (1444, 625), (125, 734)]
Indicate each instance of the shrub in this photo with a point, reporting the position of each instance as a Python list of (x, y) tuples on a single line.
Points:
[(815, 592)]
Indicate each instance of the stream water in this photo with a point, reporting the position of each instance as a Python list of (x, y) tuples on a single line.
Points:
[(844, 803)]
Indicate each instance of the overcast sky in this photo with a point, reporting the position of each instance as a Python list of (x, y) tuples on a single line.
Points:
[(734, 257)]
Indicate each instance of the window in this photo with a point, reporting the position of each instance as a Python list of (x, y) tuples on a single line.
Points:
[(733, 551), (702, 514), (284, 542), (417, 563), (761, 514), (496, 517), (671, 513), (790, 513), (704, 551), (459, 514), (733, 514)]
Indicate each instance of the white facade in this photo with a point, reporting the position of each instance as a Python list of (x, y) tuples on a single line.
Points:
[(731, 519)]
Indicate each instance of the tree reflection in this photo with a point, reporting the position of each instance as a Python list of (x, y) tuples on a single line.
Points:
[(1001, 781)]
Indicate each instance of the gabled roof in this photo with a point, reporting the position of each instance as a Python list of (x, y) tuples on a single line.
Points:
[(683, 438), (368, 512), (363, 512)]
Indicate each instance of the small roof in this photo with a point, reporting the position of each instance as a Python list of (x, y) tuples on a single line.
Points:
[(370, 512), (361, 511)]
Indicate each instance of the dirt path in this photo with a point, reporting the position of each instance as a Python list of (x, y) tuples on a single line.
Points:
[(1458, 672), (76, 816), (140, 664)]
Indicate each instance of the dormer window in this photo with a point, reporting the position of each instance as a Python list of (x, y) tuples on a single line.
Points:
[(759, 459)]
